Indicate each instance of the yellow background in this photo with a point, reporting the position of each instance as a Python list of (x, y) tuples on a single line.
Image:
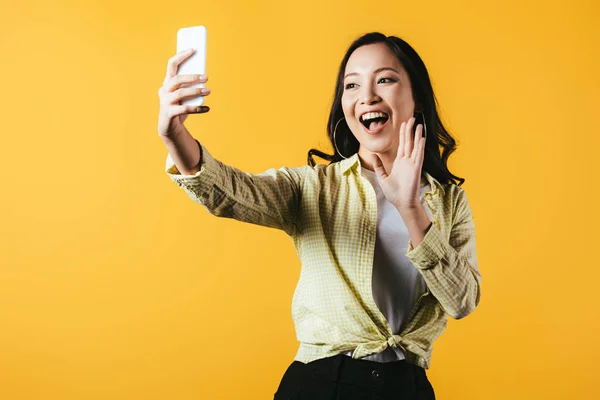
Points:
[(115, 285)]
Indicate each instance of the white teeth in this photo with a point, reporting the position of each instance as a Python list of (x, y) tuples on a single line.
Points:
[(372, 115)]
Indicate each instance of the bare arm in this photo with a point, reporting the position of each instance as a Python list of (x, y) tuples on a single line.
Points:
[(184, 151)]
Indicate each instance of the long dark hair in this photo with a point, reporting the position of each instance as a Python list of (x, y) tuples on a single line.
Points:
[(434, 163)]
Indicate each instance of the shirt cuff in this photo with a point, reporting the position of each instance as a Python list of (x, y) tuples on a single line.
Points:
[(208, 172), (430, 251)]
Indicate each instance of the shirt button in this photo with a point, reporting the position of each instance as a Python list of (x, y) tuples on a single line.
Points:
[(375, 374)]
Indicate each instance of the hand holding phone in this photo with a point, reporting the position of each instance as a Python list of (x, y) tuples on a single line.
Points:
[(193, 37), (182, 92)]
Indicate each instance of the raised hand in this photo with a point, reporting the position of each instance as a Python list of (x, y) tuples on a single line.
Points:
[(172, 114), (401, 186)]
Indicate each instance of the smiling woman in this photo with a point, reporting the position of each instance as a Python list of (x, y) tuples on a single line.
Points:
[(384, 234), (384, 73)]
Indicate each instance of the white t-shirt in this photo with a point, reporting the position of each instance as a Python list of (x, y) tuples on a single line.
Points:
[(397, 284)]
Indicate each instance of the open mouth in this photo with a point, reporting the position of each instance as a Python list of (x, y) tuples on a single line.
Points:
[(374, 122)]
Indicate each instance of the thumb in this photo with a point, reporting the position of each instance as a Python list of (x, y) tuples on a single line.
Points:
[(378, 165)]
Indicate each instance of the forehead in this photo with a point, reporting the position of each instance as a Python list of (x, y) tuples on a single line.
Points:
[(368, 58)]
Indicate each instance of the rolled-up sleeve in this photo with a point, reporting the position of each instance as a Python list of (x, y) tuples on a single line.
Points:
[(270, 198), (449, 266)]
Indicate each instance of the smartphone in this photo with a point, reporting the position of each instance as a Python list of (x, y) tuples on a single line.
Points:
[(192, 37)]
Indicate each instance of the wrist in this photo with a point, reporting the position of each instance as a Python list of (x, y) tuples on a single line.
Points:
[(174, 136), (409, 210)]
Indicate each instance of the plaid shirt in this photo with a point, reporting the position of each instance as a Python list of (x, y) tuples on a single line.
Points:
[(330, 212)]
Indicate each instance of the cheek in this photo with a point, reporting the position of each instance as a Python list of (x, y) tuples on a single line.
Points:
[(348, 111), (345, 104), (403, 104)]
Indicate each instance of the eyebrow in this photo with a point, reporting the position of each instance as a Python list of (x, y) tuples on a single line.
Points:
[(377, 70)]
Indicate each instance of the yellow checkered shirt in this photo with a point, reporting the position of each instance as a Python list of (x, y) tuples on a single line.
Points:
[(330, 212)]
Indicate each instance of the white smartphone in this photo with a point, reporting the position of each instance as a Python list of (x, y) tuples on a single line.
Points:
[(193, 37)]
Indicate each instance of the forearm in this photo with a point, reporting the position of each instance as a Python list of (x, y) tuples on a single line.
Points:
[(184, 151), (270, 198), (449, 266), (454, 279), (417, 222)]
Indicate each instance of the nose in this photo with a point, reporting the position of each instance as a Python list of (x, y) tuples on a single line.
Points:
[(368, 95)]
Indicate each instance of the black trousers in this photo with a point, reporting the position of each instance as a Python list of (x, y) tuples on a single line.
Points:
[(342, 377)]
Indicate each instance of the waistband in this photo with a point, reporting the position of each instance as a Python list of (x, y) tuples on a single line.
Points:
[(401, 375)]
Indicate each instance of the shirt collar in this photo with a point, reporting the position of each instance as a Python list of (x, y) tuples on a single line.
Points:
[(354, 162)]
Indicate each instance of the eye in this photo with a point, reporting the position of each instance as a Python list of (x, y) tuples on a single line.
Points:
[(348, 86)]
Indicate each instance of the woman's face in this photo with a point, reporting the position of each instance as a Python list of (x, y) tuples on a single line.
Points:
[(374, 79)]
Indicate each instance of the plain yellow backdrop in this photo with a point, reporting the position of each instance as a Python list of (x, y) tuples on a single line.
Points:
[(115, 285)]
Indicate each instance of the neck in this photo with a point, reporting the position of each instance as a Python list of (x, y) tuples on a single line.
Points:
[(367, 159)]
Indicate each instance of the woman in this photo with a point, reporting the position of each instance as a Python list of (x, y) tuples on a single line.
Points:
[(385, 235)]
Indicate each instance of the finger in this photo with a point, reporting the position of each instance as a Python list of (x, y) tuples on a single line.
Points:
[(408, 136), (401, 141), (377, 164), (421, 153), (415, 141), (166, 91), (178, 110), (201, 109), (174, 62), (179, 80), (185, 93)]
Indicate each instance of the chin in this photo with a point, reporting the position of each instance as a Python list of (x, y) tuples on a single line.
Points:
[(376, 150), (376, 145)]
